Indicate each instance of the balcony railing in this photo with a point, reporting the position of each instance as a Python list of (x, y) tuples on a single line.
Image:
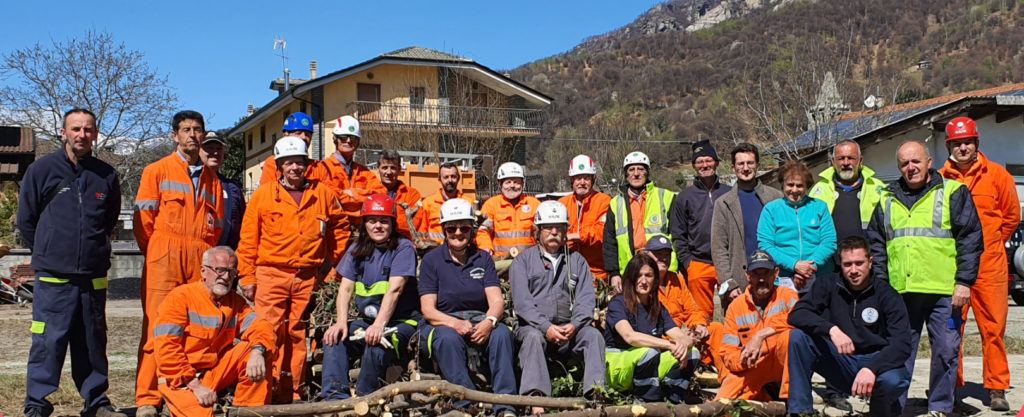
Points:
[(405, 114)]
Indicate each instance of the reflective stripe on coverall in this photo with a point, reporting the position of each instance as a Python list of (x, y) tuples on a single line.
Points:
[(507, 226), (587, 220), (743, 321)]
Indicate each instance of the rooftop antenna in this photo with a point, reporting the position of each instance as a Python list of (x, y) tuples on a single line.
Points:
[(279, 42)]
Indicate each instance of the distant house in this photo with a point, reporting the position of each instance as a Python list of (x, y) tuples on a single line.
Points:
[(998, 111), (412, 99), (17, 151)]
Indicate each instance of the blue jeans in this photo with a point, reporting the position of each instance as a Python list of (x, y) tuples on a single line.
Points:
[(809, 354), (375, 361)]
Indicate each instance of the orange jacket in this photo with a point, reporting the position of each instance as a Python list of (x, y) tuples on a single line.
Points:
[(507, 226), (278, 232), (995, 196), (679, 301), (192, 332), (403, 194), (588, 220), (362, 183), (428, 219), (270, 173), (167, 203), (743, 320)]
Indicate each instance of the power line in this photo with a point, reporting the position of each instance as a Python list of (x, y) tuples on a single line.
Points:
[(662, 142)]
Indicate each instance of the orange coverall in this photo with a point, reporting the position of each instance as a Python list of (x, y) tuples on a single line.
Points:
[(271, 174), (403, 194), (995, 196), (684, 310), (282, 247), (588, 221), (507, 226), (362, 183), (742, 321), (428, 219), (173, 224), (194, 337)]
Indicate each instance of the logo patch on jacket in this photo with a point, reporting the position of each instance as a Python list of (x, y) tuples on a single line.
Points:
[(100, 196), (476, 273)]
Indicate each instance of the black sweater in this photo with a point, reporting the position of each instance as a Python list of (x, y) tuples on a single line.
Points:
[(832, 303)]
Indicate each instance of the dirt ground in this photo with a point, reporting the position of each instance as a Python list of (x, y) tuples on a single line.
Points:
[(124, 319)]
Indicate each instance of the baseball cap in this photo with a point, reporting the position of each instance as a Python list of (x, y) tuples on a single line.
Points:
[(211, 136), (658, 243), (760, 259)]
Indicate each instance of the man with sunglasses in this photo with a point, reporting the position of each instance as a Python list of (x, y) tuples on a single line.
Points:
[(291, 233), (352, 182), (194, 342)]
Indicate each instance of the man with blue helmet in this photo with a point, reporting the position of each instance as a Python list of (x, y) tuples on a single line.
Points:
[(297, 124)]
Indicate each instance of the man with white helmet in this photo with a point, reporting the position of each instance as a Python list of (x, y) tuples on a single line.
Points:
[(292, 229), (637, 214), (553, 295), (351, 181), (586, 223), (509, 223), (297, 124)]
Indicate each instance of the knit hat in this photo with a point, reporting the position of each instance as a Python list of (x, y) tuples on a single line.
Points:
[(703, 148)]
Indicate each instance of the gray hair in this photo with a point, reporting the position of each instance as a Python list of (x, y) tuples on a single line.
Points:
[(927, 152), (832, 154), (390, 155), (221, 249)]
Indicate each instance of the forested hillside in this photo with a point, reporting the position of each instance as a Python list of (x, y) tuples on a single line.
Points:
[(754, 77)]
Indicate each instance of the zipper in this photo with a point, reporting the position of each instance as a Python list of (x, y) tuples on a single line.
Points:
[(81, 219)]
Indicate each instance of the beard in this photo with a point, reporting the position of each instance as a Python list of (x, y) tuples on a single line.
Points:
[(847, 173), (449, 187)]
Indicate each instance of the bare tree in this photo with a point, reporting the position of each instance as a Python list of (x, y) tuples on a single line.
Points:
[(132, 102)]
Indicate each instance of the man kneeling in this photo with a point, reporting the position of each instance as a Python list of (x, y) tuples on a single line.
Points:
[(854, 332), (196, 327)]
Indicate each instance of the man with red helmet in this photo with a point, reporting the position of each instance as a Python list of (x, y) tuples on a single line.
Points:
[(995, 195), (291, 235)]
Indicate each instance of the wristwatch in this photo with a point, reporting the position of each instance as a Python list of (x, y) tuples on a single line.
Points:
[(260, 348), (494, 320)]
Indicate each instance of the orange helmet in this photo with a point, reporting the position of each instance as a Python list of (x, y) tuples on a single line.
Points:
[(379, 205), (961, 128)]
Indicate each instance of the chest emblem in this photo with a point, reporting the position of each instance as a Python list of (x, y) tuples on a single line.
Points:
[(476, 273), (526, 208), (870, 315)]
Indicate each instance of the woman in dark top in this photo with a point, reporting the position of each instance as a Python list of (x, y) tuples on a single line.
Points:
[(463, 305), (380, 269), (640, 358)]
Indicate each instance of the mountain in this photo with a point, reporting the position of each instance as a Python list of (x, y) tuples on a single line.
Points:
[(755, 70)]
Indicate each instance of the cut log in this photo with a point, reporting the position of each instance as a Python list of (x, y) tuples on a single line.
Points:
[(711, 408)]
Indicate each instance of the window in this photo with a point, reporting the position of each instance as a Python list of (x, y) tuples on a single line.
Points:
[(417, 97), (273, 139), (302, 107), (250, 141), (263, 134)]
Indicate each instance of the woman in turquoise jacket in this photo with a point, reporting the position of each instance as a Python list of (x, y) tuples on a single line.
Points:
[(798, 230)]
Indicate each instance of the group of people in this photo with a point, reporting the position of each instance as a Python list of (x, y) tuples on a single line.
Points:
[(835, 277)]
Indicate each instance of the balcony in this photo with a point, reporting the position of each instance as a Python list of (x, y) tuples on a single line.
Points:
[(485, 121)]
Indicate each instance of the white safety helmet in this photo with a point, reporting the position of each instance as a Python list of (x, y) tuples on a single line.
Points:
[(510, 170), (456, 209), (290, 146), (347, 125), (582, 164), (637, 157), (551, 212)]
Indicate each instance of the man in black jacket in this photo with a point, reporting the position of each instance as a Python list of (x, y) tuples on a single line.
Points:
[(69, 205), (853, 331)]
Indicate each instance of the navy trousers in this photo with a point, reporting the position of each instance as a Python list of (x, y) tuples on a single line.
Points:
[(374, 363), (448, 348), (68, 312), (809, 354), (935, 311)]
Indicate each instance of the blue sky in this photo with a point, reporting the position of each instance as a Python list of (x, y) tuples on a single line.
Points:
[(219, 54)]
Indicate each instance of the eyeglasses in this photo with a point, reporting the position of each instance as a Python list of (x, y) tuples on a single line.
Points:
[(221, 271), (464, 228), (346, 138)]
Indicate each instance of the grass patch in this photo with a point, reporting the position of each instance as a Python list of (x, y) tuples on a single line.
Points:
[(972, 346), (66, 401)]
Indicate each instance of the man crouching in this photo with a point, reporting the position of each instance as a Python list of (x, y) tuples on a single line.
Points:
[(194, 336)]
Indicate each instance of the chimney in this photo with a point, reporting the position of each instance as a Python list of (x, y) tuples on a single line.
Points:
[(250, 110), (312, 70)]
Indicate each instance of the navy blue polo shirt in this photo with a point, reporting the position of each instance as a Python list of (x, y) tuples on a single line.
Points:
[(458, 287), (369, 271), (641, 322)]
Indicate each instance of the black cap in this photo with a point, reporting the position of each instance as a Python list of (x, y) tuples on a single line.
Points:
[(760, 259), (703, 148), (658, 243)]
